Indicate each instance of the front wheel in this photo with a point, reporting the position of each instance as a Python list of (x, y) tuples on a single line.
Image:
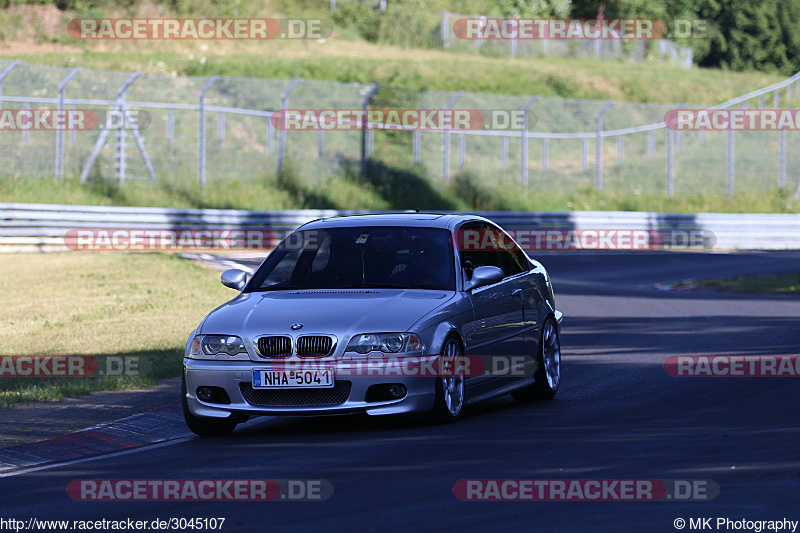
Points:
[(548, 367), (203, 425), (449, 400)]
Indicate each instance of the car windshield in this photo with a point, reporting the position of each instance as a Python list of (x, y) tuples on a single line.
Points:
[(360, 257)]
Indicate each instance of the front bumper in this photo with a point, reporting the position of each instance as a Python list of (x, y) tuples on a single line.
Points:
[(236, 378)]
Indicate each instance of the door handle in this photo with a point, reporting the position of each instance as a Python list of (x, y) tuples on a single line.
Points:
[(516, 292)]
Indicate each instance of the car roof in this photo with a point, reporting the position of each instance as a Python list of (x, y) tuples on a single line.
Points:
[(409, 219)]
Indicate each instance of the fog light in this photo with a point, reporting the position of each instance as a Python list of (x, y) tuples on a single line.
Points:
[(205, 393), (397, 391), (386, 392)]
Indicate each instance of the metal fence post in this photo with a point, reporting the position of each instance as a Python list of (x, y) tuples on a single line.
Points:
[(523, 139), (62, 86), (504, 151), (446, 142), (201, 134), (479, 39), (598, 143), (670, 162), (619, 149), (651, 143), (170, 126), (364, 106), (729, 155), (445, 29), (678, 134), (545, 153), (6, 72), (416, 146), (319, 143), (462, 146), (782, 160), (221, 129), (282, 132), (72, 132), (26, 133), (270, 135), (584, 154), (121, 140), (101, 139)]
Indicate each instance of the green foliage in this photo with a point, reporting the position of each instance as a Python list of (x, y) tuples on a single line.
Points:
[(365, 18), (752, 36)]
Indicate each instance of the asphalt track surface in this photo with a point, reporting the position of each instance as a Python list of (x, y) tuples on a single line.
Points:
[(618, 415)]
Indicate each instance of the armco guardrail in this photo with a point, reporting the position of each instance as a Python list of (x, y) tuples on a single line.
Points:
[(45, 225)]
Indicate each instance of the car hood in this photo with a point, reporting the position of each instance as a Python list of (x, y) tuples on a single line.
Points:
[(343, 313)]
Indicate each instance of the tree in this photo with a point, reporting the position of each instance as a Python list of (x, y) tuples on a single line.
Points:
[(748, 35)]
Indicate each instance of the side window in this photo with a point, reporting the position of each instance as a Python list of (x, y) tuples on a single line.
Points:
[(477, 248), (512, 257)]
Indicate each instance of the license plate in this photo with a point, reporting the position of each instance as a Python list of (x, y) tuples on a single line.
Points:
[(321, 378)]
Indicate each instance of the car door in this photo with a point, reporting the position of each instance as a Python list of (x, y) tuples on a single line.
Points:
[(528, 282), (496, 333)]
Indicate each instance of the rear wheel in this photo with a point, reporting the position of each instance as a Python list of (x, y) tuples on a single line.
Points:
[(449, 401), (548, 366), (203, 425)]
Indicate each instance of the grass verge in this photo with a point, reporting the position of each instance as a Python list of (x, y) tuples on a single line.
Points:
[(385, 188), (131, 311), (779, 284)]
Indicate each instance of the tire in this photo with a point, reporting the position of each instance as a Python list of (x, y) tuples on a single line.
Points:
[(203, 425), (547, 376), (449, 400)]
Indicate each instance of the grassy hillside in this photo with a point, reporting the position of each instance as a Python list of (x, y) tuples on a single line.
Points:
[(38, 34)]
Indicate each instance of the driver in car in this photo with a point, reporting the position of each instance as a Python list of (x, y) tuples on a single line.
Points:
[(425, 264)]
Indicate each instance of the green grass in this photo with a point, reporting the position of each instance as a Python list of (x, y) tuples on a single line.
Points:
[(386, 188), (779, 284), (427, 70), (109, 305)]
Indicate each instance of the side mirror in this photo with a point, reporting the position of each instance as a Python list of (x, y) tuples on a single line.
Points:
[(234, 278), (484, 275)]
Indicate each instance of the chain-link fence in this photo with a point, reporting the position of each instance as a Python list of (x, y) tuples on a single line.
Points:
[(217, 129)]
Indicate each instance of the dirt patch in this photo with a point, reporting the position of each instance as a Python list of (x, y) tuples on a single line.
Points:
[(30, 29)]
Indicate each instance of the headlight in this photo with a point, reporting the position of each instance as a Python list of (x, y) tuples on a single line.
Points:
[(217, 347), (386, 343)]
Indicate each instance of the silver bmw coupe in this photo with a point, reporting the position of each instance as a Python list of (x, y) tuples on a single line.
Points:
[(385, 314)]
